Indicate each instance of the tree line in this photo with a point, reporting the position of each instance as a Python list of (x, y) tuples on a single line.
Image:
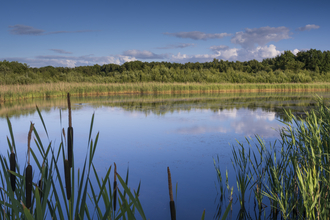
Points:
[(306, 66)]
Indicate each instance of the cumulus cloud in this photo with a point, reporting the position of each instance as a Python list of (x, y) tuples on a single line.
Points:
[(232, 54), (224, 52), (70, 61), (260, 36), (295, 51), (258, 53), (308, 27), (218, 52), (184, 58), (60, 51), (197, 35), (20, 29), (143, 54), (174, 46)]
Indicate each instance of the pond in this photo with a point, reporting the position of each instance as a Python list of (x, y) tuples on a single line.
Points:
[(148, 133)]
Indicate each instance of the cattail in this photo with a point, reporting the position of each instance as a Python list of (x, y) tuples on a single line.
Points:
[(172, 206), (67, 175), (13, 169), (70, 134), (115, 189), (28, 185), (67, 179), (28, 172), (70, 145)]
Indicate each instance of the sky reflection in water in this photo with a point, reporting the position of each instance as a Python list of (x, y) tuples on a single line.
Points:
[(185, 140)]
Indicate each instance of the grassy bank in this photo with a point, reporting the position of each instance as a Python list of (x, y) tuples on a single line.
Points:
[(17, 92)]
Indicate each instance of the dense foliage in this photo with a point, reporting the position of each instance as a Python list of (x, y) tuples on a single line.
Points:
[(307, 66)]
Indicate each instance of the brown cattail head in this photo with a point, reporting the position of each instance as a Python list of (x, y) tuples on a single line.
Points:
[(70, 145), (115, 173), (115, 188), (67, 179), (13, 169), (69, 109), (170, 183), (70, 134), (29, 141), (28, 185)]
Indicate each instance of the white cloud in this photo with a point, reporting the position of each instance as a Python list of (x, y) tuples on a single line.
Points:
[(219, 52), (71, 61), (295, 51), (308, 27), (260, 36), (144, 54), (262, 52), (225, 53), (184, 58), (231, 54), (197, 35)]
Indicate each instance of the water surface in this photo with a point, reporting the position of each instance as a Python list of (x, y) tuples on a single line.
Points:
[(149, 133)]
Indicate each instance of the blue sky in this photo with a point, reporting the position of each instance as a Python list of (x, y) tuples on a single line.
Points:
[(74, 33)]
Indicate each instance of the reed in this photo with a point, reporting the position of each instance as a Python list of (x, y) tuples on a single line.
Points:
[(19, 92), (295, 176)]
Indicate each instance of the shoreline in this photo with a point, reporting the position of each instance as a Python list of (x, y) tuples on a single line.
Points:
[(19, 92)]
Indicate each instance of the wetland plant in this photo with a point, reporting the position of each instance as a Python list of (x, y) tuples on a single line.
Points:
[(293, 173), (49, 196)]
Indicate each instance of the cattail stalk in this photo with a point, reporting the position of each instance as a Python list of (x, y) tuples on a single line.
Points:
[(172, 205), (28, 171), (115, 188), (70, 134)]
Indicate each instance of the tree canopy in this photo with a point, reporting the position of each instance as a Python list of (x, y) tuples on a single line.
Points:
[(306, 66)]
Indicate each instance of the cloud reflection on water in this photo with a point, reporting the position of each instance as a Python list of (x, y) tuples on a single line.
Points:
[(238, 121)]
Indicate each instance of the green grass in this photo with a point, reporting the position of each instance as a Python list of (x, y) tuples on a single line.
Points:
[(292, 173)]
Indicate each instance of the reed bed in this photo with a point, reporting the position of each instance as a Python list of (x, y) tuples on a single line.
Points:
[(291, 176), (61, 195), (17, 92)]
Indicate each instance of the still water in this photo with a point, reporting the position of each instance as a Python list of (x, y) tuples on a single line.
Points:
[(149, 133)]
